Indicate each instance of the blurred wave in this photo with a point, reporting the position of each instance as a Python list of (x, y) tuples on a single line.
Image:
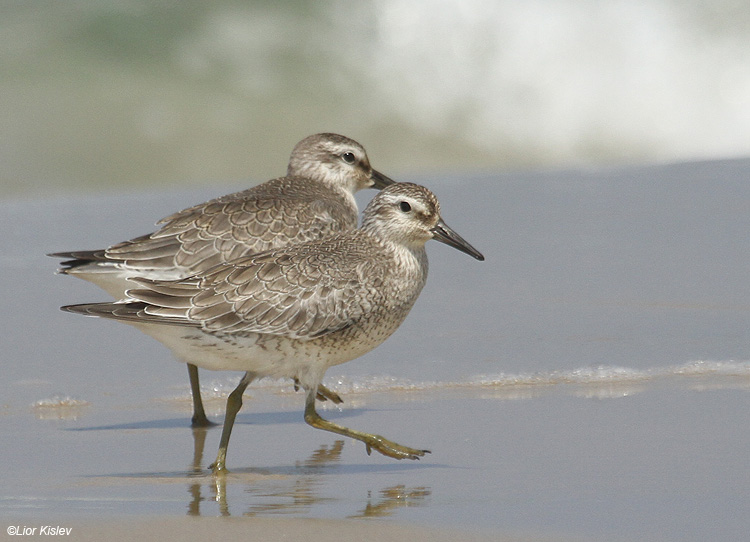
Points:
[(106, 94)]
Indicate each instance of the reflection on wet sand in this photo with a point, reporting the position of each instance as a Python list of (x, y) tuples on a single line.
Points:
[(306, 486), (194, 489), (296, 493), (392, 498)]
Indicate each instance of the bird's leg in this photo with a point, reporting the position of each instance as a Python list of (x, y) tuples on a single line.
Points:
[(372, 442), (324, 394), (234, 403), (199, 415)]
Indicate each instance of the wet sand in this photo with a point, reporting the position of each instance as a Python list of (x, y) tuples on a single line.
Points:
[(197, 529), (565, 394), (590, 462)]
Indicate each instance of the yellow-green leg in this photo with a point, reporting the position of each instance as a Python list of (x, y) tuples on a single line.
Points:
[(234, 403), (372, 442), (199, 415)]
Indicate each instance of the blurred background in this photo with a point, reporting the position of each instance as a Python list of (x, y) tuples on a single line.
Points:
[(121, 95)]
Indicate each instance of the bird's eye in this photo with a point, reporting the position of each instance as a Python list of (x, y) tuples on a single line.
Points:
[(404, 206), (349, 157)]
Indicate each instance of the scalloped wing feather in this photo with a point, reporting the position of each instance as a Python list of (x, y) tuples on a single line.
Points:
[(281, 293), (275, 214)]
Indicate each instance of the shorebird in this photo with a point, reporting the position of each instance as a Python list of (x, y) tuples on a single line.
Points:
[(315, 199), (296, 311)]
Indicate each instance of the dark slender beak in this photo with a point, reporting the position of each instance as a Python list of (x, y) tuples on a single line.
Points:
[(441, 232), (380, 181)]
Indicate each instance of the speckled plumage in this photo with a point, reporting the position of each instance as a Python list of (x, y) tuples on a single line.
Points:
[(295, 311), (314, 200)]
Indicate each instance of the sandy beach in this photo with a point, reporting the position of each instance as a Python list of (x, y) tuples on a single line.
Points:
[(589, 381)]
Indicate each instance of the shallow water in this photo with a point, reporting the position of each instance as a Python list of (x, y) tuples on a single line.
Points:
[(590, 379)]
